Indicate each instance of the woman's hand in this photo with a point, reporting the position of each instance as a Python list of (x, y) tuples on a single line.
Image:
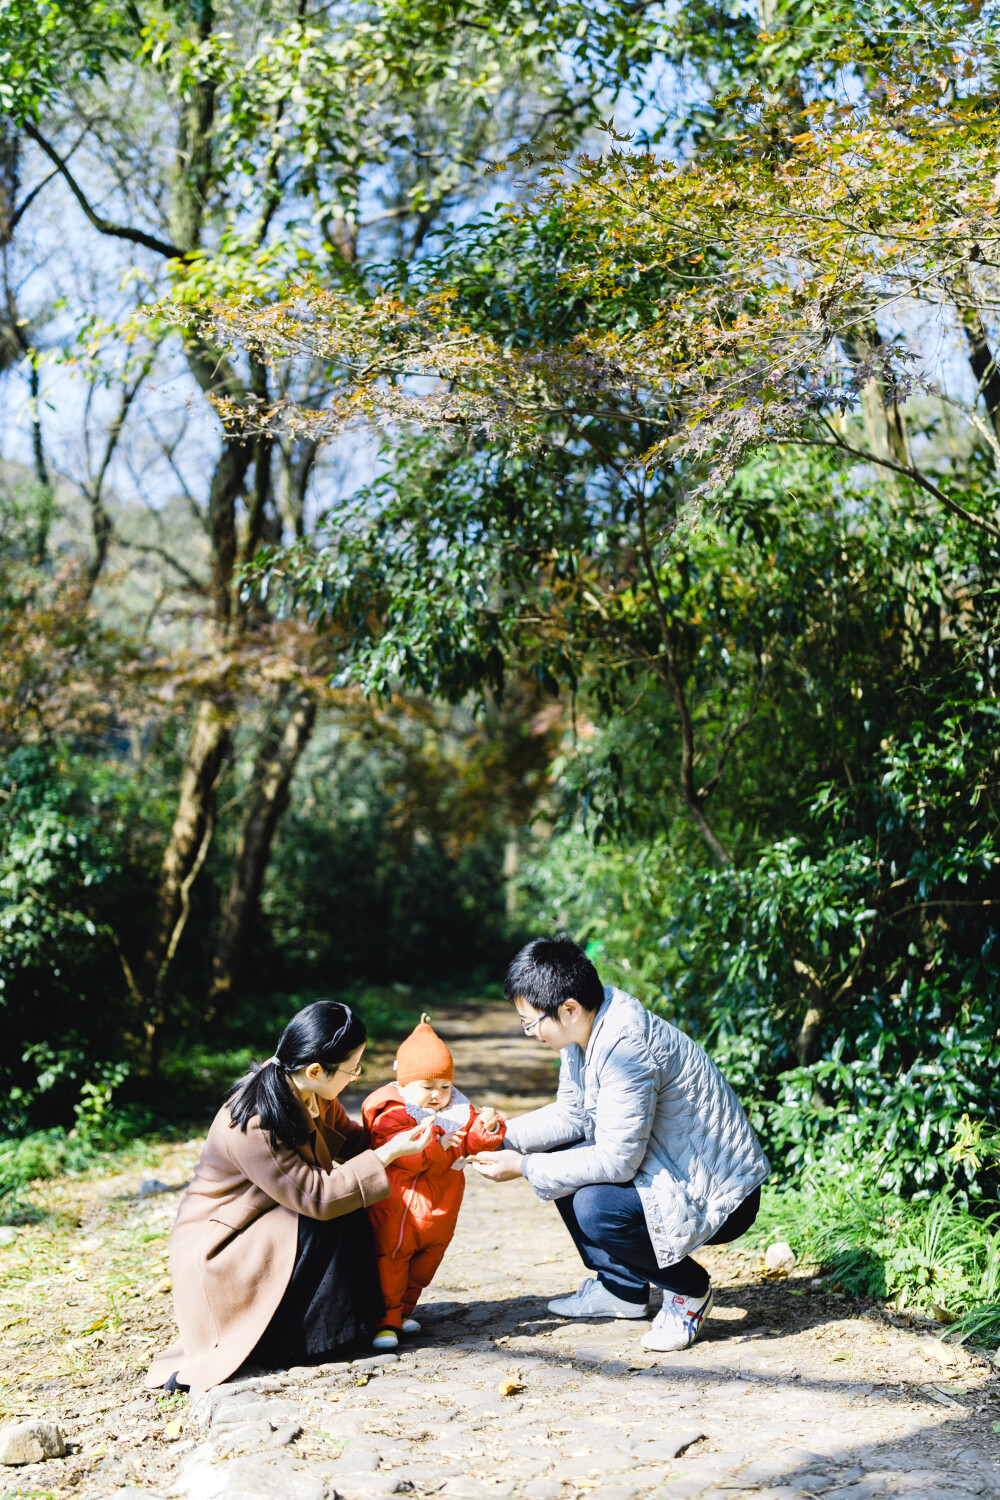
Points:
[(406, 1142), (498, 1166)]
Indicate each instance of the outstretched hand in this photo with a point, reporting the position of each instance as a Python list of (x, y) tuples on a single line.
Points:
[(406, 1142), (498, 1166)]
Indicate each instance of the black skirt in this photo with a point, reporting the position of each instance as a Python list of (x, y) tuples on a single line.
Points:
[(332, 1296)]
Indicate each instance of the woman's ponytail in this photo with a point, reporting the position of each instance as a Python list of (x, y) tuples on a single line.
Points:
[(327, 1033)]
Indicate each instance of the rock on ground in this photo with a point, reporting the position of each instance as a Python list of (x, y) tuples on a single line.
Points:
[(31, 1443)]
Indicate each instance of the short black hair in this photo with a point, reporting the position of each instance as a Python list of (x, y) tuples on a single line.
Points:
[(550, 970)]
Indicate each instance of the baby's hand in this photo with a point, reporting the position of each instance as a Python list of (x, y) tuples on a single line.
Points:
[(489, 1120), (454, 1139)]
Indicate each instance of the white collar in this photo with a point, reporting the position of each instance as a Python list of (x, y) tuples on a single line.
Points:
[(455, 1117)]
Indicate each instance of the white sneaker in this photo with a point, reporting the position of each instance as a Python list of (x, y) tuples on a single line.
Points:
[(410, 1325), (678, 1323), (593, 1300), (386, 1338)]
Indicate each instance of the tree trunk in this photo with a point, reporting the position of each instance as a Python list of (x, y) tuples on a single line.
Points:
[(884, 418), (981, 359), (190, 838), (272, 775), (805, 1042), (668, 668)]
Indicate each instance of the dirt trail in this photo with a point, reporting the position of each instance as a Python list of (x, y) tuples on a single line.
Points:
[(794, 1393)]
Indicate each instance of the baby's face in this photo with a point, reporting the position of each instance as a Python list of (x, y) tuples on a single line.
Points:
[(428, 1093)]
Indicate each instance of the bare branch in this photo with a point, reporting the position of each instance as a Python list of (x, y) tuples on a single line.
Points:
[(907, 470), (102, 225)]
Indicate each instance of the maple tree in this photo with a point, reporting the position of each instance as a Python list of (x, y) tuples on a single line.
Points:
[(746, 288)]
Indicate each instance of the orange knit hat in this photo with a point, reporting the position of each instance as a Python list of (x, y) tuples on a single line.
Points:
[(423, 1055)]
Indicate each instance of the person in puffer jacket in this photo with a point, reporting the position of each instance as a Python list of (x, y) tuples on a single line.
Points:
[(646, 1150), (413, 1227)]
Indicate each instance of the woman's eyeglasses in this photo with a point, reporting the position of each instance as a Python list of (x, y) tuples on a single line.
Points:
[(354, 1073)]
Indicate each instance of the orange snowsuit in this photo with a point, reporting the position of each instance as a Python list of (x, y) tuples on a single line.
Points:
[(414, 1225)]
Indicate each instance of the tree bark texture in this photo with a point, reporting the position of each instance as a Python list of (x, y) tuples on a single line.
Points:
[(983, 363), (187, 846), (272, 776)]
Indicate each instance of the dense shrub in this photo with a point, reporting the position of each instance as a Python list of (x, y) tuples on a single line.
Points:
[(68, 888)]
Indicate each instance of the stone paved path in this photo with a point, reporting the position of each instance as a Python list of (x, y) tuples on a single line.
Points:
[(794, 1393)]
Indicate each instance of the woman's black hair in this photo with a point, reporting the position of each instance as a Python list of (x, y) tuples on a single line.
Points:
[(327, 1033)]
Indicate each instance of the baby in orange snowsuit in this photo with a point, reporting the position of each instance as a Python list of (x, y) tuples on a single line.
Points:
[(414, 1225)]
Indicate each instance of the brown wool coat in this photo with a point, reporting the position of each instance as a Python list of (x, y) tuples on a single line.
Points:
[(233, 1244)]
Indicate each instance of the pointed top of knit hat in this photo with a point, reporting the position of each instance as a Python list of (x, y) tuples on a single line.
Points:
[(423, 1055)]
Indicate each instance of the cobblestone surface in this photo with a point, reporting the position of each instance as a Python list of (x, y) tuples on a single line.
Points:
[(793, 1393)]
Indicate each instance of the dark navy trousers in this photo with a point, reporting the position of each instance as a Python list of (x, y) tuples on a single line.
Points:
[(609, 1230)]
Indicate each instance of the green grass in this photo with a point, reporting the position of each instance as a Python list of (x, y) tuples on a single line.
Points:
[(932, 1256), (57, 1152)]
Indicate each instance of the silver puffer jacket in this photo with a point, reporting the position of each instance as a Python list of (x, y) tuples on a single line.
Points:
[(649, 1106)]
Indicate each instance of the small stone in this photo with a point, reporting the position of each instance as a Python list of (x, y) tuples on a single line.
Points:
[(542, 1489), (151, 1185), (374, 1361), (613, 1492), (8, 1236), (31, 1443), (780, 1257)]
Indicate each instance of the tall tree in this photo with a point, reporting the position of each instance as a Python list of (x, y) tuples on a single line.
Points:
[(309, 138)]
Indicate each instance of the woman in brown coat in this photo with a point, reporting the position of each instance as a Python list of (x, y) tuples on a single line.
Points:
[(271, 1254)]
